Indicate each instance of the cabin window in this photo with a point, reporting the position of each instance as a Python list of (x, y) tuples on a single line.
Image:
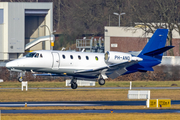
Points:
[(30, 54), (71, 56), (79, 57), (63, 56), (96, 58), (87, 58)]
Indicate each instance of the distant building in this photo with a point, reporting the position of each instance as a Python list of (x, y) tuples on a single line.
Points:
[(20, 23), (125, 39)]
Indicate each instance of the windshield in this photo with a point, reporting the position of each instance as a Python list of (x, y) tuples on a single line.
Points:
[(37, 55), (30, 54)]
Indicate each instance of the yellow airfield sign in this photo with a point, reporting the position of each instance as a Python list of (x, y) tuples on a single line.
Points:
[(159, 103), (164, 102), (153, 103)]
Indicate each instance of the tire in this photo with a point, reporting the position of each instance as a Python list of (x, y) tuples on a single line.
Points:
[(20, 79), (74, 85), (101, 81)]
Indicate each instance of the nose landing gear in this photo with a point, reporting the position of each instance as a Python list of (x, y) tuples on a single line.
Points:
[(20, 79), (21, 74)]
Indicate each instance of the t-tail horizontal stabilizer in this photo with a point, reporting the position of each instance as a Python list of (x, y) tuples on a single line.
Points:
[(158, 51)]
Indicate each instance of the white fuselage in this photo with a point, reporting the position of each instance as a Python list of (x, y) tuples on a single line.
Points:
[(59, 62), (66, 63)]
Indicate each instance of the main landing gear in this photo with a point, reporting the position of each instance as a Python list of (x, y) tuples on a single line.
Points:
[(101, 81), (74, 83)]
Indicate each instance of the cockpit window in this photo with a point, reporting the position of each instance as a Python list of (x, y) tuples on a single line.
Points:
[(41, 55), (30, 54), (37, 55)]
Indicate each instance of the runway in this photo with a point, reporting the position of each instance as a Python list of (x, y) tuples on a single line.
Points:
[(88, 111), (86, 103), (102, 88), (78, 103)]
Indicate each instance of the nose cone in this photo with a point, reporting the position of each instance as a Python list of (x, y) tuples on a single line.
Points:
[(11, 64)]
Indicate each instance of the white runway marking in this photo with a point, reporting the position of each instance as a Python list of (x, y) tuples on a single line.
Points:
[(30, 105)]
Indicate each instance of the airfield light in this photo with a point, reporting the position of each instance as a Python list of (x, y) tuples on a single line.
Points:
[(119, 16)]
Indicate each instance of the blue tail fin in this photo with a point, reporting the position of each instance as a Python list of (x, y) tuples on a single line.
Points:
[(152, 52), (156, 44)]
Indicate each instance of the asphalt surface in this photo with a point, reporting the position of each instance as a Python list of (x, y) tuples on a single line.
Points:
[(87, 103), (101, 88), (89, 111), (78, 103), (71, 103)]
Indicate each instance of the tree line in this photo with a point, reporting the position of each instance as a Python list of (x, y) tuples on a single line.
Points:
[(72, 18)]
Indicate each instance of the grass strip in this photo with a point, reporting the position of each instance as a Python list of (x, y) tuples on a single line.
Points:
[(86, 108), (15, 95), (93, 116), (54, 84)]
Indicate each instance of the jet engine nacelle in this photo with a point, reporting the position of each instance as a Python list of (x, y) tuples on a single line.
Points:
[(116, 57)]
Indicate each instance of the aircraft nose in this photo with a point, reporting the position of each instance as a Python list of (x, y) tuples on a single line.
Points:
[(11, 64)]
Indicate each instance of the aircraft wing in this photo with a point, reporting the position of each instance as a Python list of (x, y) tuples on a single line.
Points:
[(115, 69), (48, 74), (122, 65), (120, 69), (91, 70)]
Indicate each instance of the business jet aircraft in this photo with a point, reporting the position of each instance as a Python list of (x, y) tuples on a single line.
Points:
[(93, 65)]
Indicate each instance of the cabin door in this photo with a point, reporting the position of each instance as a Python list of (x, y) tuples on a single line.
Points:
[(55, 64)]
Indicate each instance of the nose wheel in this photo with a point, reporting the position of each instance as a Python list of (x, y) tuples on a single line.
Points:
[(21, 74), (20, 79)]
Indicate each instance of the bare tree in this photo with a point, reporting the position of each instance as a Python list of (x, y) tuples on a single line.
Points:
[(57, 13), (157, 14), (76, 17)]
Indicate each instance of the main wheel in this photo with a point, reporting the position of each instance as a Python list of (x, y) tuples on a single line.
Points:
[(101, 81), (20, 79), (74, 85)]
